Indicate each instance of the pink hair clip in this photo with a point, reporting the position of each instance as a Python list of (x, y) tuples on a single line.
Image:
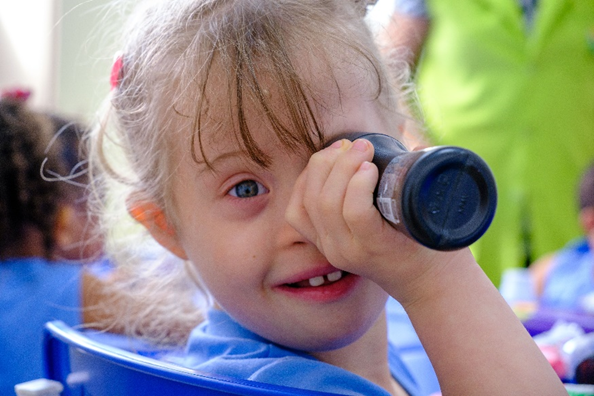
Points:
[(116, 71), (16, 94)]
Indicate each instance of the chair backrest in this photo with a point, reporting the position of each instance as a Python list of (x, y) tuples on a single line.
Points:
[(88, 367)]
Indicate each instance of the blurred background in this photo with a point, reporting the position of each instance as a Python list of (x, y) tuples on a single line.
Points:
[(62, 50), (58, 49)]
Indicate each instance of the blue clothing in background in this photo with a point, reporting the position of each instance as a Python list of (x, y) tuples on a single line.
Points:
[(222, 346), (571, 277), (403, 337), (418, 8), (32, 292), (415, 8)]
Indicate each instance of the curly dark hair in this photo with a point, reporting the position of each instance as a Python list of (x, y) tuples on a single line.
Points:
[(26, 199)]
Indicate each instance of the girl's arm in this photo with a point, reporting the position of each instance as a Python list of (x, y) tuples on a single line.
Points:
[(476, 343)]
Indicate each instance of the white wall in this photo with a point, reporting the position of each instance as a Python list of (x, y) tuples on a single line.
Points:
[(59, 50), (63, 50), (27, 48), (86, 54)]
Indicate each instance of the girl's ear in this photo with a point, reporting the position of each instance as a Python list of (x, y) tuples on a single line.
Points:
[(151, 216)]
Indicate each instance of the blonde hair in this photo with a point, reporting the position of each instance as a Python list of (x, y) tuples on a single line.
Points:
[(176, 50)]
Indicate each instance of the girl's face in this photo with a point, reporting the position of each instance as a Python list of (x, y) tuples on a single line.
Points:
[(231, 226)]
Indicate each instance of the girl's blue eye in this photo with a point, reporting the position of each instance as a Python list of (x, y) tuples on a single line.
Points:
[(247, 189)]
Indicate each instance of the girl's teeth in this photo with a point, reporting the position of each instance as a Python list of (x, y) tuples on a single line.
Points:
[(317, 281), (334, 276), (320, 280)]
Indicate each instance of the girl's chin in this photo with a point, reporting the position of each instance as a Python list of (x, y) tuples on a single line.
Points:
[(332, 337)]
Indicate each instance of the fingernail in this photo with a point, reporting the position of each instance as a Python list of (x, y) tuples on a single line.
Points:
[(365, 166), (360, 145), (337, 144)]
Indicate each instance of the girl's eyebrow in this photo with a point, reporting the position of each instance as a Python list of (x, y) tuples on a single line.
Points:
[(221, 158)]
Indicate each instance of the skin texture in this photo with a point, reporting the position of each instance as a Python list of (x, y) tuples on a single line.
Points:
[(311, 216)]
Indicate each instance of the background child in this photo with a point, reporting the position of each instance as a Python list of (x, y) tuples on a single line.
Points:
[(565, 278), (475, 91), (41, 250), (221, 110), (78, 238)]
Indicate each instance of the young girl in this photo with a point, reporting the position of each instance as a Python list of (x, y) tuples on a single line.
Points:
[(222, 109)]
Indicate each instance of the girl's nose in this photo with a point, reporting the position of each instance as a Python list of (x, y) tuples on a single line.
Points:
[(288, 235)]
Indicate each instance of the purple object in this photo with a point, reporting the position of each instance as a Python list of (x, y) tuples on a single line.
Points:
[(544, 318)]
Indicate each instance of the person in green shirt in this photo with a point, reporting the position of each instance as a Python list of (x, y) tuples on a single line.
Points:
[(514, 82)]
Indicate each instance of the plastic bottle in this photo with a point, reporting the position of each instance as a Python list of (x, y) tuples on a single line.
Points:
[(443, 197)]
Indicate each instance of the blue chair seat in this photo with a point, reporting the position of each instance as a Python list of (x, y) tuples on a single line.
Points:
[(86, 366)]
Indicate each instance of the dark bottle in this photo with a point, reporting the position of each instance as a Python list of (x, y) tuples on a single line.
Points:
[(443, 197)]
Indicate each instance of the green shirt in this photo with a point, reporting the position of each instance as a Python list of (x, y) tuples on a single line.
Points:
[(523, 99)]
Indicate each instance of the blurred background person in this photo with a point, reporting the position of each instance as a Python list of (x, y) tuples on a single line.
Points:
[(43, 226), (512, 81), (564, 279)]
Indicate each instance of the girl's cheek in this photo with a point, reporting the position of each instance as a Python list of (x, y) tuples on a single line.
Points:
[(242, 209)]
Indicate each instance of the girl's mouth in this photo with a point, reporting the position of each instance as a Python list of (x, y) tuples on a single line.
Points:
[(319, 280), (322, 288)]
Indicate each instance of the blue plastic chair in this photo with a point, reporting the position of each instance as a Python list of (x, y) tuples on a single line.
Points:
[(86, 366)]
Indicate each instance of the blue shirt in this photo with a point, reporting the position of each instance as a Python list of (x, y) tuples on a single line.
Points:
[(418, 8), (32, 292), (415, 8), (571, 277), (222, 346)]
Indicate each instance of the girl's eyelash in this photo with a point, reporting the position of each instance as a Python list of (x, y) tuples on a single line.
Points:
[(247, 189)]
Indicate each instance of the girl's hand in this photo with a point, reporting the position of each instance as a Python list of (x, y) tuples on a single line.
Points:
[(466, 327), (332, 206)]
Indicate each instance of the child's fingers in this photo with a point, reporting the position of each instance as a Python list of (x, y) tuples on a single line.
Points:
[(296, 214), (329, 201), (359, 211), (329, 177), (317, 204), (302, 204), (312, 184)]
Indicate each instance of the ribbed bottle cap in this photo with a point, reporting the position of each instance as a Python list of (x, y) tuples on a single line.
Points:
[(448, 198)]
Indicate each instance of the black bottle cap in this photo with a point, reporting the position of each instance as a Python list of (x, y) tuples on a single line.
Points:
[(448, 198)]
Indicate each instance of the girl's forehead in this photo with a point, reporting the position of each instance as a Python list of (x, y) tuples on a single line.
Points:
[(223, 109), (325, 88)]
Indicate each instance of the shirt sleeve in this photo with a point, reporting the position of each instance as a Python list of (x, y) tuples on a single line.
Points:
[(415, 8)]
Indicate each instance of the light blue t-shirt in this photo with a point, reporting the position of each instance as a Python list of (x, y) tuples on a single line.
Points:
[(415, 8), (32, 292), (571, 277), (222, 346), (418, 8)]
